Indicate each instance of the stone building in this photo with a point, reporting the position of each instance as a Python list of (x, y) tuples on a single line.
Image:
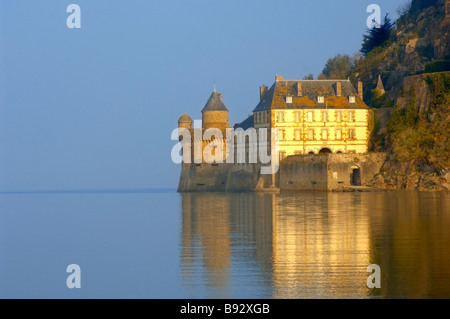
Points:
[(323, 140), (314, 116), (214, 119)]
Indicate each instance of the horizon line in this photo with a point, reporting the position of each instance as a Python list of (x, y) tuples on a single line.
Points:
[(91, 191)]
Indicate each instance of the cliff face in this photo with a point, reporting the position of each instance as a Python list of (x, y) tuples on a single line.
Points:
[(411, 118), (417, 136)]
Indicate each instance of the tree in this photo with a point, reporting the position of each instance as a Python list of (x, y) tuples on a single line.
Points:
[(310, 76), (377, 36), (338, 67), (418, 5)]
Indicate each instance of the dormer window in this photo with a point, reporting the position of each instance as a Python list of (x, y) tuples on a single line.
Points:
[(352, 99), (289, 99), (320, 99)]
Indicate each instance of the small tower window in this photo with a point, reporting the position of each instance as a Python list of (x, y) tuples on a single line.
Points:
[(352, 99), (289, 99), (320, 99)]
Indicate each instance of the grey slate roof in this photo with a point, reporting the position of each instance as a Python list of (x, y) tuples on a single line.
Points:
[(215, 103), (275, 98), (247, 123)]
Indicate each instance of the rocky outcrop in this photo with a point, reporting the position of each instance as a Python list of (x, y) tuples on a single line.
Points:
[(414, 90), (408, 175)]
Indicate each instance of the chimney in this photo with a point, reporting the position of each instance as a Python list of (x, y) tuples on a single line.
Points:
[(262, 91), (299, 89), (278, 78), (338, 88), (360, 90)]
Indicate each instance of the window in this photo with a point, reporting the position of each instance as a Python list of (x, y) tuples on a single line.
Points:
[(289, 99), (352, 99), (320, 99), (256, 117), (280, 117), (281, 134), (298, 134), (351, 134), (297, 117), (310, 117), (339, 116), (324, 116), (324, 134), (351, 116), (339, 134), (311, 134)]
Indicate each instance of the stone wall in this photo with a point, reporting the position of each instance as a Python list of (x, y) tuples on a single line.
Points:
[(341, 167), (304, 172), (219, 177), (333, 172)]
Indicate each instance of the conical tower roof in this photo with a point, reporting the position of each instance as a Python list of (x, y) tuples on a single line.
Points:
[(185, 119), (215, 103)]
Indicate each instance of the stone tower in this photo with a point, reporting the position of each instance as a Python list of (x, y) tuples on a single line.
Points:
[(185, 122), (215, 113)]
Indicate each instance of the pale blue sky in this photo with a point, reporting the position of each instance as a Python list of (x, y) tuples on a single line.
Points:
[(94, 107)]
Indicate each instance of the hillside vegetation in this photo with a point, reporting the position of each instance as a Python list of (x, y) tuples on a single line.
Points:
[(405, 68)]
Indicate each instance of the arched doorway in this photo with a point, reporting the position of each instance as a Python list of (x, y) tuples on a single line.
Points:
[(325, 150), (355, 176), (311, 153)]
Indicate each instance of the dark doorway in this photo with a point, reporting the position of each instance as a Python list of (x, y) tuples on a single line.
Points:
[(355, 176), (325, 151)]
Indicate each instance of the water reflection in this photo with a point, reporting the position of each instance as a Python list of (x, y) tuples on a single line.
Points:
[(315, 245)]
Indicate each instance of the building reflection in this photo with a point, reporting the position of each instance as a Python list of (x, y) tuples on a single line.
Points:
[(312, 245)]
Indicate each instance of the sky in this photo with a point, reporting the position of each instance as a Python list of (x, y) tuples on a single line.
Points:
[(94, 107)]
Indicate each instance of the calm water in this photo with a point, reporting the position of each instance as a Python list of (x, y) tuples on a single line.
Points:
[(169, 245)]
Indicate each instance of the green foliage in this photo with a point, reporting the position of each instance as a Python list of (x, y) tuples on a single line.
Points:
[(377, 36), (310, 76), (425, 51), (338, 67), (376, 140), (424, 137), (376, 99), (418, 5), (437, 66)]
